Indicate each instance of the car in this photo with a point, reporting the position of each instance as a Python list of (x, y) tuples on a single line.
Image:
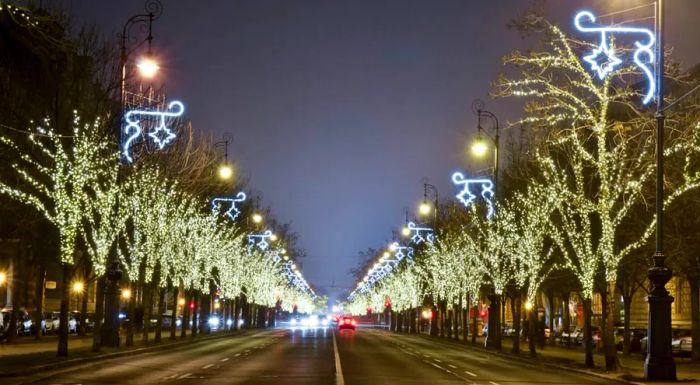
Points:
[(347, 323), (681, 343), (571, 336), (56, 320)]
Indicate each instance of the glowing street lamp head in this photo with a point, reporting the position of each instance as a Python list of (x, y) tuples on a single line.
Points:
[(78, 287), (180, 301), (225, 171), (3, 277), (147, 65), (126, 293), (528, 305), (273, 237), (257, 218), (424, 208), (405, 231), (479, 147)]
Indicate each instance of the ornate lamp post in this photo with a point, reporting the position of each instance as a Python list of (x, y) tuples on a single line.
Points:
[(225, 169), (109, 331), (479, 147)]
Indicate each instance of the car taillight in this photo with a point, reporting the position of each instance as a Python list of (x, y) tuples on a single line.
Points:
[(353, 322)]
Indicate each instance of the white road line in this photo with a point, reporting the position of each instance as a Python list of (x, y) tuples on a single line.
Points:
[(437, 366), (237, 354), (437, 360), (470, 373), (184, 375), (426, 356), (225, 359), (339, 380), (494, 383), (207, 366), (452, 366)]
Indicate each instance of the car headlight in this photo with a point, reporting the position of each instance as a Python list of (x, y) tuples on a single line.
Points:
[(213, 321)]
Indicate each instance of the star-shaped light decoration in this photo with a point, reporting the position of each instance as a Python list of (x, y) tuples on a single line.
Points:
[(603, 60), (162, 135), (233, 212)]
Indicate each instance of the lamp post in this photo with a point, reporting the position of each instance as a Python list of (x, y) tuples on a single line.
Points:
[(225, 169), (424, 209), (109, 331), (659, 364), (479, 147)]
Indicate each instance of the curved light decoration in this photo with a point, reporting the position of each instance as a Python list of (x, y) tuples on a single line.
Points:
[(260, 240), (643, 56), (401, 252), (233, 212), (467, 197), (420, 234), (162, 134)]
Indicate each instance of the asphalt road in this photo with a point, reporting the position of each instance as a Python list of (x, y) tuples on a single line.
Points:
[(309, 357)]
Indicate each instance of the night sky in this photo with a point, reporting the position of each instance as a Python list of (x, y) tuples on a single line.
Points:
[(338, 109)]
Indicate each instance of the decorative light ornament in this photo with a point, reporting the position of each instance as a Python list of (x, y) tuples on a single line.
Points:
[(400, 252), (643, 56), (233, 212), (467, 197), (260, 240), (418, 232), (161, 135)]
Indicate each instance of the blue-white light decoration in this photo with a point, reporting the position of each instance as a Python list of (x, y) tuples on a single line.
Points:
[(233, 212), (467, 197), (420, 234), (643, 56), (162, 134), (260, 240), (401, 251)]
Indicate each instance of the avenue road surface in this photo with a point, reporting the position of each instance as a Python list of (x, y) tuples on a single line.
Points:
[(284, 356)]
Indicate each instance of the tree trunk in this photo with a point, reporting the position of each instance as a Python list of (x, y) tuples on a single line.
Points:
[(448, 321), (567, 318), (587, 337), (612, 361), (39, 298), (627, 339), (550, 321), (82, 323), (63, 326), (195, 311), (695, 316), (147, 311), (465, 321), (475, 323), (132, 317), (236, 311), (532, 331), (99, 313), (159, 316), (173, 316), (185, 314), (515, 310), (493, 339)]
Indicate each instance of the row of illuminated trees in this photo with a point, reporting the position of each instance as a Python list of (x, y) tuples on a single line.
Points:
[(66, 195), (574, 203)]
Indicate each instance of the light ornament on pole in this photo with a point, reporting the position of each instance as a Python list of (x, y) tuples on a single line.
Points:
[(643, 56), (233, 212), (260, 240), (467, 197), (162, 134), (401, 252), (418, 232)]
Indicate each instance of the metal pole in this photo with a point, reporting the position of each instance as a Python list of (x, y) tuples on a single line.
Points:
[(659, 364)]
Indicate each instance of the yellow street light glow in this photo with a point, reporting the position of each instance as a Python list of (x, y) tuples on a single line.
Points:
[(217, 305), (273, 237), (386, 255), (78, 287), (528, 305), (126, 293), (180, 301), (286, 258), (283, 251), (225, 171), (3, 277), (405, 231), (424, 208), (257, 218), (479, 147), (147, 66)]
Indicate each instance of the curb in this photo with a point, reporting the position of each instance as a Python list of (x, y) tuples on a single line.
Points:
[(530, 361), (100, 357)]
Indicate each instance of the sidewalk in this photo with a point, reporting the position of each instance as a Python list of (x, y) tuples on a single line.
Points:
[(28, 354), (572, 358)]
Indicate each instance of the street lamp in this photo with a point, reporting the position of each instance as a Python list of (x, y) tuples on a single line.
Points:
[(479, 147), (257, 218), (3, 277), (425, 207), (225, 169), (78, 287), (126, 294), (147, 67)]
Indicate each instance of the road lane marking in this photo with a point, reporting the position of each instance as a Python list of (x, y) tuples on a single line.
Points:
[(207, 366), (237, 354), (339, 380), (470, 373), (437, 360), (426, 356), (184, 376), (494, 383), (452, 366), (225, 359)]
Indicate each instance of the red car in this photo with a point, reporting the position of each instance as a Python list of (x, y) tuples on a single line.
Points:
[(347, 323)]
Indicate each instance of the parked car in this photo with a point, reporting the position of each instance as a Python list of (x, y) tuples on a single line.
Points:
[(682, 343), (508, 331), (56, 320), (572, 336)]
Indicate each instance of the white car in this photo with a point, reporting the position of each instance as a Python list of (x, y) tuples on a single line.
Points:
[(56, 321)]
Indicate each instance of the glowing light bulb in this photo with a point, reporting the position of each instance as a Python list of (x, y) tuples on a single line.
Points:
[(405, 231), (225, 171), (528, 305), (257, 218), (424, 208), (147, 66), (3, 278), (78, 287), (479, 148), (126, 293)]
